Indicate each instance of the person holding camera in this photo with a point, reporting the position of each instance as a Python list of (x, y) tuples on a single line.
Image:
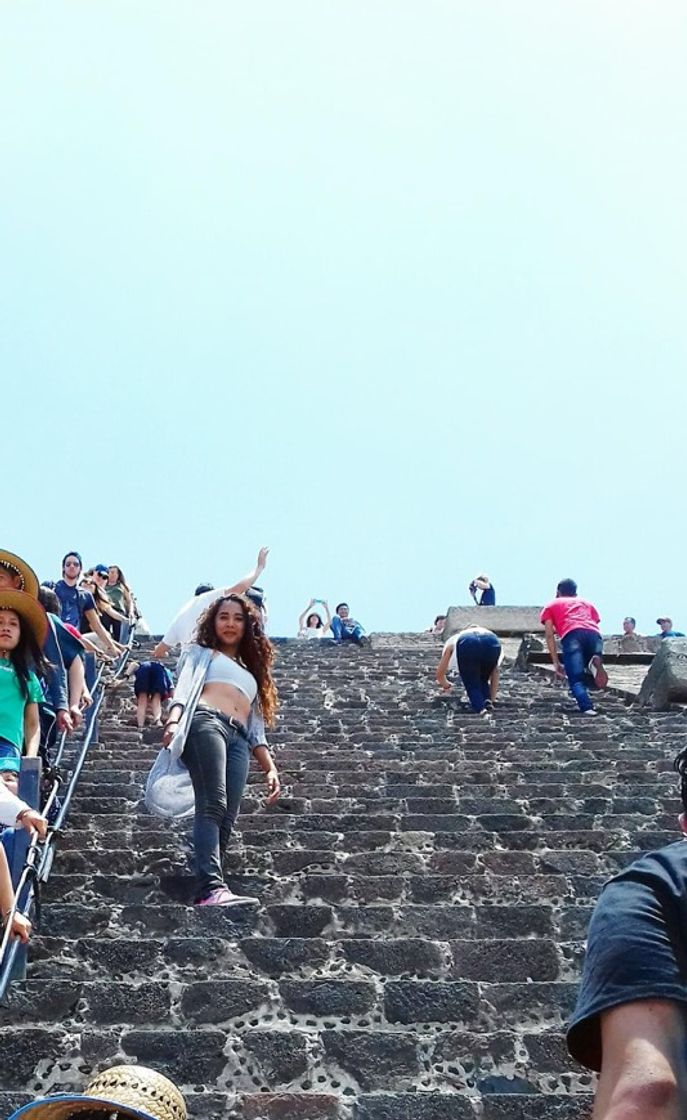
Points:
[(484, 585), (310, 624)]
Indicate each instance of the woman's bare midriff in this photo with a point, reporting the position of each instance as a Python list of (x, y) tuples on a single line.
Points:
[(228, 699)]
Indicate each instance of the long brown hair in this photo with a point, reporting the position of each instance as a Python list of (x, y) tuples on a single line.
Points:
[(255, 650)]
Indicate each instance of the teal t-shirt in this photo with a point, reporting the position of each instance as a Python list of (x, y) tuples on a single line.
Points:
[(12, 702)]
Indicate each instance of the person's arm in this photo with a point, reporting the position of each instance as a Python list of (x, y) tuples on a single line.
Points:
[(161, 650), (442, 669), (302, 617), (32, 730), (550, 635), (248, 581), (21, 926), (473, 590), (328, 614), (56, 679), (266, 764), (182, 692), (98, 628), (483, 584)]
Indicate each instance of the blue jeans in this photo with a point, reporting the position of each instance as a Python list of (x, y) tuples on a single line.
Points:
[(578, 647), (343, 632), (477, 656), (217, 756)]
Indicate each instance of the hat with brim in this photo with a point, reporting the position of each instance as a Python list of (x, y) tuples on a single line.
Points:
[(664, 619), (19, 567), (29, 610), (132, 1092)]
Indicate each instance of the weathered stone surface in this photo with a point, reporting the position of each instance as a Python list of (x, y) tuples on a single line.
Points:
[(216, 1001), (188, 1057), (374, 1058), (426, 1001), (414, 956), (666, 681), (413, 1106), (504, 621), (287, 1106), (25, 1050), (328, 997), (276, 956), (283, 1055)]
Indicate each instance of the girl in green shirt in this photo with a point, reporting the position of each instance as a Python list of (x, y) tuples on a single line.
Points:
[(23, 628)]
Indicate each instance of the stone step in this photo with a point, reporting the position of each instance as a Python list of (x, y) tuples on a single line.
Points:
[(305, 920), (474, 1005)]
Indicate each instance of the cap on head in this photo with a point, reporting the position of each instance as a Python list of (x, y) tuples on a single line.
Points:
[(664, 619), (202, 588), (102, 569)]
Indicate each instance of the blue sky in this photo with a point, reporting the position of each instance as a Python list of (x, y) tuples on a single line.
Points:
[(395, 288)]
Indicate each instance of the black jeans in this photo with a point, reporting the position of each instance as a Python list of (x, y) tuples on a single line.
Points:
[(218, 757), (477, 655)]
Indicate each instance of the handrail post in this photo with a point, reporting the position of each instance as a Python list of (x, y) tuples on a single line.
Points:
[(30, 792)]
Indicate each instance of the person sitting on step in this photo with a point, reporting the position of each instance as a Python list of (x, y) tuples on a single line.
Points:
[(666, 629), (310, 624), (484, 585), (224, 696), (629, 1022), (345, 628), (475, 653), (576, 622)]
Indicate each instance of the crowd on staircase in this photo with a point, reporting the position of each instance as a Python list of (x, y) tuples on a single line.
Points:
[(214, 714)]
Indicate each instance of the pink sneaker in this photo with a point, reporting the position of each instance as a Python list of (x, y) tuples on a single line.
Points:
[(222, 896)]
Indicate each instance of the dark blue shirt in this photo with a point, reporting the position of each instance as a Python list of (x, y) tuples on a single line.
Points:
[(73, 603), (670, 634)]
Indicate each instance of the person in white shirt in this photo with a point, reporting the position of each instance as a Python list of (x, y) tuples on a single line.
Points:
[(476, 654), (310, 623), (182, 628)]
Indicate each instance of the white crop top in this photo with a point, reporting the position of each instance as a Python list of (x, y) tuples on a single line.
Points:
[(224, 670)]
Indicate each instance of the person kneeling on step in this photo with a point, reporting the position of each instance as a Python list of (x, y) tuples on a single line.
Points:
[(475, 653), (224, 696)]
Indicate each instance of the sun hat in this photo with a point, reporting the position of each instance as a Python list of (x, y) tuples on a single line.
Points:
[(29, 610), (19, 567), (133, 1092)]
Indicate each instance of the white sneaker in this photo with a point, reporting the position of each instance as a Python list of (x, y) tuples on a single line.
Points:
[(591, 712), (598, 672)]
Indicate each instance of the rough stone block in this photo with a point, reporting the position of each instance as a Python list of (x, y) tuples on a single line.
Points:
[(24, 1050), (215, 1001), (413, 956), (428, 1001), (501, 961), (376, 1059), (287, 1106), (504, 621), (300, 921), (328, 997), (187, 1056), (413, 1106), (666, 681), (127, 1003), (283, 1055), (276, 956)]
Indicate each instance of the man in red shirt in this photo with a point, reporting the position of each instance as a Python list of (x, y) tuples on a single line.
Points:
[(576, 622)]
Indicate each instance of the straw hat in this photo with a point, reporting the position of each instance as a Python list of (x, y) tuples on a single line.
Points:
[(132, 1092), (19, 567), (29, 610)]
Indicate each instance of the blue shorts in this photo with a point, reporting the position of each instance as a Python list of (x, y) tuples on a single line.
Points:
[(152, 678)]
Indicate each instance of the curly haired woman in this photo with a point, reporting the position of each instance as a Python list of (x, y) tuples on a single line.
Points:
[(224, 698)]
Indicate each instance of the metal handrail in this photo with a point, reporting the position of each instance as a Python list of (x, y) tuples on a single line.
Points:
[(40, 853)]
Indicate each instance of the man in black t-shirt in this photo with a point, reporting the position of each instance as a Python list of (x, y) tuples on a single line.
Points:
[(630, 1021)]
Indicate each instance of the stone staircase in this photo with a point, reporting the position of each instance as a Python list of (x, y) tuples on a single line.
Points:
[(426, 885)]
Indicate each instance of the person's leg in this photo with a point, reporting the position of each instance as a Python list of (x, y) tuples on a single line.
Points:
[(490, 651), (76, 676), (337, 628), (357, 634), (470, 669), (205, 755), (141, 707), (238, 764), (576, 669), (643, 1069), (156, 708), (593, 648)]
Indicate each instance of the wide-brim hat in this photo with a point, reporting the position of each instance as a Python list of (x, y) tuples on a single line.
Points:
[(20, 568), (29, 610), (133, 1092)]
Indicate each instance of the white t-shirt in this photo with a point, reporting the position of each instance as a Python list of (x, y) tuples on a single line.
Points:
[(310, 632), (182, 628), (452, 643)]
